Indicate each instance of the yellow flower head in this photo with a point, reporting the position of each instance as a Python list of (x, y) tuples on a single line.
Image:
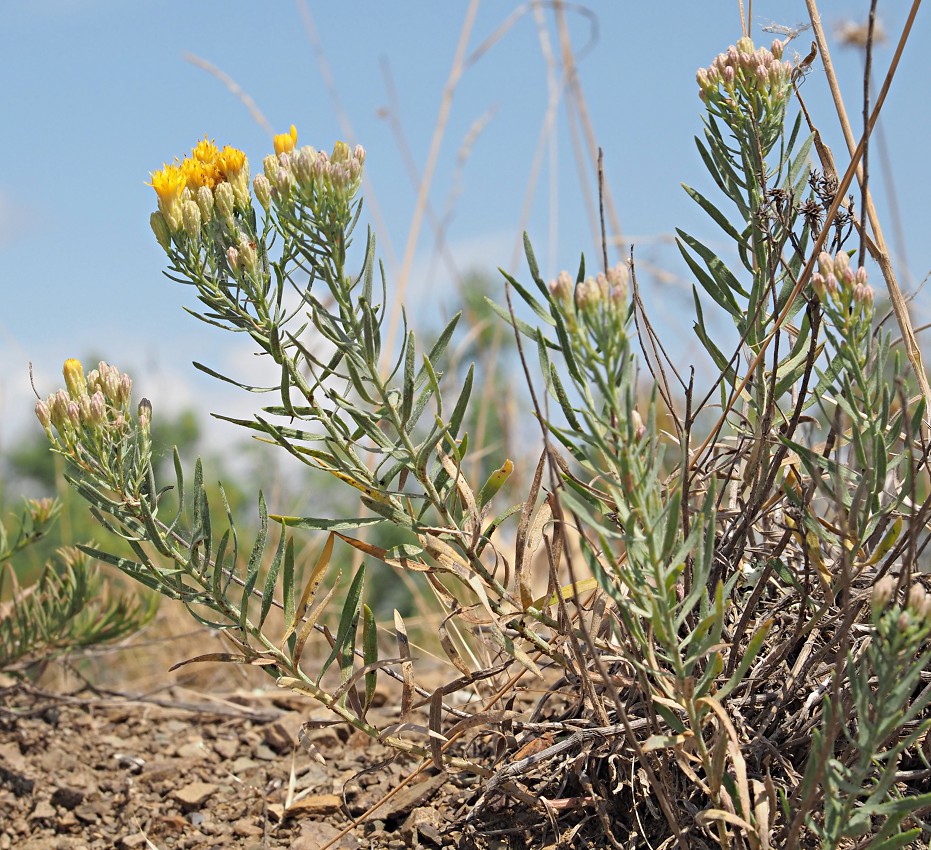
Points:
[(205, 150), (198, 173), (230, 161), (168, 183), (74, 379), (286, 142)]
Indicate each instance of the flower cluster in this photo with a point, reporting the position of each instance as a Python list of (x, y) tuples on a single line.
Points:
[(837, 281), (598, 304), (746, 81), (92, 405), (205, 211), (190, 190), (324, 183)]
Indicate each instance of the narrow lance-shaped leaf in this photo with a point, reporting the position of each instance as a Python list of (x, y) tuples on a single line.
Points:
[(255, 560), (369, 653), (348, 620)]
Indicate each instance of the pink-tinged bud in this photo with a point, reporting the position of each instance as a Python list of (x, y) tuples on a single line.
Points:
[(144, 413), (617, 277), (817, 284), (777, 48), (561, 288), (704, 82), (284, 161), (110, 378), (841, 262), (304, 165), (639, 428), (84, 407), (263, 191), (731, 57), (97, 412), (359, 154), (191, 216), (762, 78), (43, 415), (74, 378), (160, 229), (126, 389), (224, 201), (861, 275), (745, 45), (728, 77), (848, 276), (863, 294), (232, 257), (205, 203), (903, 622), (270, 167), (604, 288), (825, 263), (58, 408), (73, 413), (284, 181), (320, 166), (883, 591)]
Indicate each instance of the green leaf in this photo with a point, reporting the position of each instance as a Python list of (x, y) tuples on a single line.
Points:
[(719, 218), (532, 302), (271, 580), (324, 524), (369, 652), (255, 560), (407, 394), (348, 619)]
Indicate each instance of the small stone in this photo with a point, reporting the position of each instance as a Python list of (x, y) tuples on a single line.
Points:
[(226, 747), (43, 811), (316, 804), (244, 827), (67, 798), (265, 753), (131, 842), (194, 795)]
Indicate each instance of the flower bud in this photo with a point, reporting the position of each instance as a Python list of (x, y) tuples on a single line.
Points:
[(303, 165), (126, 389), (144, 413), (283, 182), (270, 166), (97, 412), (817, 284), (561, 288), (637, 422), (777, 48), (247, 255), (825, 263), (74, 378), (728, 78), (73, 413), (224, 200), (205, 203), (43, 415), (841, 262), (883, 592), (359, 154), (861, 275), (160, 229), (848, 276), (903, 622), (232, 257), (916, 599), (263, 191), (191, 214)]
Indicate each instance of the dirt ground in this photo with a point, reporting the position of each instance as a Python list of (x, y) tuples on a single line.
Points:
[(110, 772)]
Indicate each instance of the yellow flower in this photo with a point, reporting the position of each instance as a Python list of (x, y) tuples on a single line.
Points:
[(74, 379), (205, 150), (286, 142), (198, 173), (233, 165), (168, 184), (230, 161)]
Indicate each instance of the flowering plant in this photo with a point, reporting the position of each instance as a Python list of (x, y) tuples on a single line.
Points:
[(712, 601)]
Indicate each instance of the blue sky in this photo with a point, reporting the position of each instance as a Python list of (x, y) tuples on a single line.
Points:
[(100, 92)]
